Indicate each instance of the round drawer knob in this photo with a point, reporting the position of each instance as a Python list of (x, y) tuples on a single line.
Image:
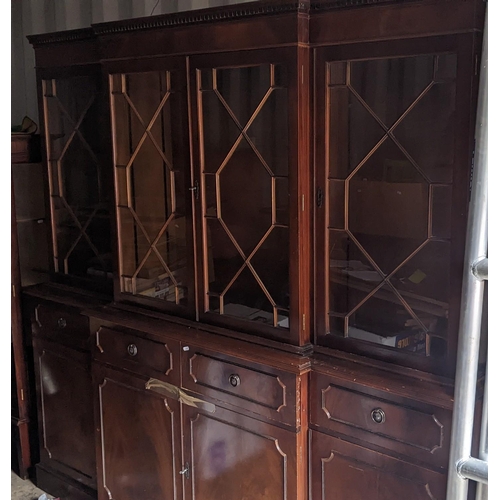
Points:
[(234, 380), (378, 416), (61, 323), (132, 349)]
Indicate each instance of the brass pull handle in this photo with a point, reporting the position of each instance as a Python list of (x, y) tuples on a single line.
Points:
[(61, 323), (378, 416), (234, 380), (174, 392), (185, 471), (132, 349)]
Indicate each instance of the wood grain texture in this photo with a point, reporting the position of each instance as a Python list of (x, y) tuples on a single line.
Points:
[(66, 420), (339, 470), (261, 390), (138, 439), (419, 431), (223, 446)]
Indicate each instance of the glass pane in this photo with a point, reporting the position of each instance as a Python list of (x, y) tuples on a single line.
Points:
[(388, 207), (272, 259), (223, 259), (273, 147), (246, 299), (219, 132), (354, 132), (383, 320), (246, 197), (243, 89), (246, 172), (428, 135), (80, 215), (423, 282), (398, 196), (389, 86), (441, 202), (352, 276), (151, 161)]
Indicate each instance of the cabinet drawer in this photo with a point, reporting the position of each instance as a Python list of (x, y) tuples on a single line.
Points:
[(61, 324), (260, 389), (417, 430), (135, 353)]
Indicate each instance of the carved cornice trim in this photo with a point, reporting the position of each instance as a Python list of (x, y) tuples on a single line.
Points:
[(61, 36), (319, 5), (219, 14)]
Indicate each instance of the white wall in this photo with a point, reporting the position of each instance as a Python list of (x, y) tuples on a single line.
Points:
[(43, 16)]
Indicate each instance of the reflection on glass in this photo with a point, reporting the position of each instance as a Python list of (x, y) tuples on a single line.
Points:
[(246, 201), (150, 185), (79, 204), (391, 143)]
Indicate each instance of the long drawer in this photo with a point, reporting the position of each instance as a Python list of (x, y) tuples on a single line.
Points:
[(416, 430), (132, 351), (261, 389)]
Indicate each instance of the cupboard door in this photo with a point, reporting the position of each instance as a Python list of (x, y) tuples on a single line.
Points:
[(74, 122), (246, 167), (138, 439), (230, 456), (66, 418), (343, 471), (392, 158), (152, 175)]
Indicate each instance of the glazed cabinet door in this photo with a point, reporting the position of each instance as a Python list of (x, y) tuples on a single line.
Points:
[(75, 124), (152, 179), (138, 439), (393, 153), (343, 471), (229, 456), (66, 418), (243, 110)]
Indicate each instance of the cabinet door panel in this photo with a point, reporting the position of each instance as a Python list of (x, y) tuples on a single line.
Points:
[(79, 183), (232, 456), (246, 163), (391, 165), (343, 471), (66, 412), (139, 440), (152, 174)]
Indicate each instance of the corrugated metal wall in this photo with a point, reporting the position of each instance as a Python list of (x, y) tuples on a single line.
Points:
[(43, 16)]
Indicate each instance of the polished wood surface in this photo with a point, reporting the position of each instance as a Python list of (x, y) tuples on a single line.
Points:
[(223, 446), (340, 470), (61, 324), (20, 397), (263, 390), (131, 352), (65, 404), (419, 431), (138, 439)]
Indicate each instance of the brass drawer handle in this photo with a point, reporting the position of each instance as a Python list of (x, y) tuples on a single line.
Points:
[(132, 349), (174, 392), (61, 323), (378, 415), (234, 380)]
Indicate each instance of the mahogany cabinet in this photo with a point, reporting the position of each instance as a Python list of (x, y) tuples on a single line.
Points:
[(179, 421), (274, 197)]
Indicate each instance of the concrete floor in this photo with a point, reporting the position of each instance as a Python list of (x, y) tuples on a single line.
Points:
[(24, 490)]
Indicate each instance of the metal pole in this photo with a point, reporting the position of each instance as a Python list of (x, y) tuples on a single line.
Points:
[(472, 296), (482, 489)]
